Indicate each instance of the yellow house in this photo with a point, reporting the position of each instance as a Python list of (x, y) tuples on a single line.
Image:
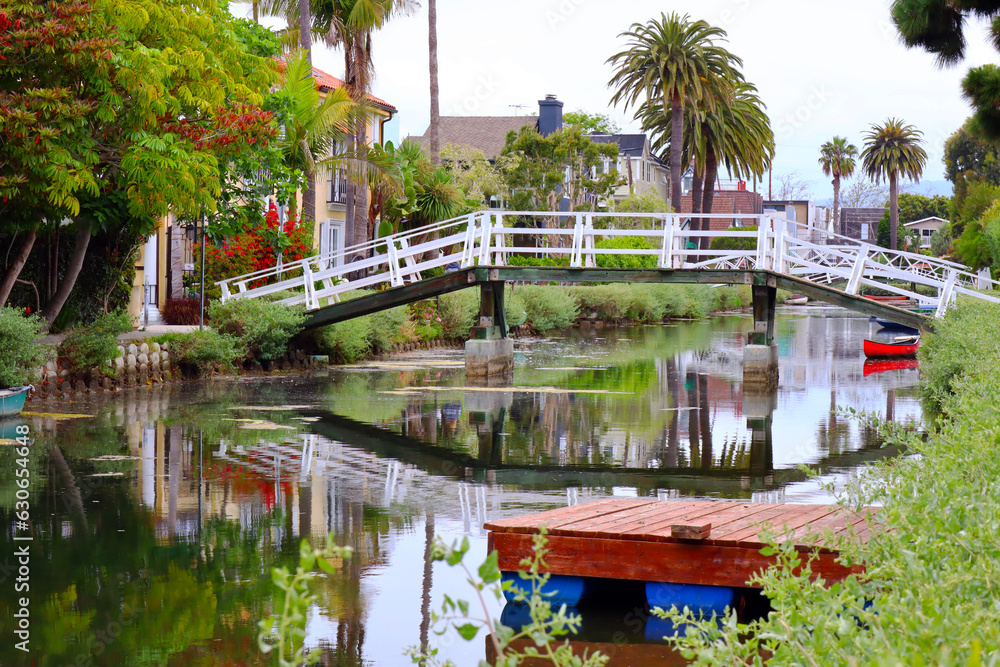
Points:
[(171, 252)]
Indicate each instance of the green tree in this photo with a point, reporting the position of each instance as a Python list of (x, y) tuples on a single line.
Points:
[(591, 123), (913, 207), (938, 26), (969, 159), (675, 62), (893, 150), (539, 171), (837, 160), (478, 178)]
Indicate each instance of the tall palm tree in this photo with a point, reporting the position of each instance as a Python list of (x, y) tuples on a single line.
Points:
[(893, 150), (432, 43), (836, 157), (348, 24), (736, 135), (672, 60), (311, 126)]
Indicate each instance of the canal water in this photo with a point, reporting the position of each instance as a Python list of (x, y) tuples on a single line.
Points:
[(157, 514)]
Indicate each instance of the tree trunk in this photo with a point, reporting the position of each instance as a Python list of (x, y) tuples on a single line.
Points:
[(708, 193), (309, 199), (16, 266), (256, 11), (697, 183), (676, 148), (893, 208), (435, 109), (842, 225), (305, 19), (361, 191), (58, 300)]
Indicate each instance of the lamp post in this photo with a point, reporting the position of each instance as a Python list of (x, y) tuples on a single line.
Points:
[(201, 317)]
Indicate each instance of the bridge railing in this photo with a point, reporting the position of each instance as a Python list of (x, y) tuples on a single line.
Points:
[(494, 237)]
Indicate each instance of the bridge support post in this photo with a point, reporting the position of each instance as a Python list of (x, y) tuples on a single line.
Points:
[(489, 352), (760, 356)]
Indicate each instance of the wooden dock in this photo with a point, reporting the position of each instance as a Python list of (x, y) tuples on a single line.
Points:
[(715, 543)]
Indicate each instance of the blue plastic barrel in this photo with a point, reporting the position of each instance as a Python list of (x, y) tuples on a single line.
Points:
[(560, 589)]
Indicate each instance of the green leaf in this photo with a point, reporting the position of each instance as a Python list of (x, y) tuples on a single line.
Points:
[(489, 571), (468, 631)]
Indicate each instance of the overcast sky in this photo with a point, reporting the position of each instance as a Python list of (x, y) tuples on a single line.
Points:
[(822, 68)]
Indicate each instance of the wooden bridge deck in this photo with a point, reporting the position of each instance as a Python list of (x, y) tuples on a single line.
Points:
[(638, 539)]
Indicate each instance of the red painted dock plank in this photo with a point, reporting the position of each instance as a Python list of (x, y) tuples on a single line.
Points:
[(631, 539)]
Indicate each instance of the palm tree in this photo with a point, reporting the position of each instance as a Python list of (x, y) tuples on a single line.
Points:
[(432, 42), (736, 135), (837, 160), (349, 24), (310, 126), (893, 150), (673, 60)]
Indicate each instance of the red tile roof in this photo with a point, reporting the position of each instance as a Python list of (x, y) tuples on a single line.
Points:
[(330, 82)]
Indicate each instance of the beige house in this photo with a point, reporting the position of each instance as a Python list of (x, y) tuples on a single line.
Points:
[(642, 172), (170, 253), (925, 227)]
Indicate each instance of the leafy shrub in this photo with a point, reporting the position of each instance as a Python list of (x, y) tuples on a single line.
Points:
[(963, 343), (941, 243), (385, 328), (92, 345), (531, 260), (264, 327), (204, 352), (427, 322), (735, 243), (513, 306), (346, 342), (458, 311), (626, 261), (20, 352), (548, 308), (186, 310)]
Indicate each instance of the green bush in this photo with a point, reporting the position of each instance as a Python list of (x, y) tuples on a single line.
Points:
[(531, 260), (385, 328), (458, 311), (735, 243), (626, 261), (346, 342), (205, 352), (513, 307), (264, 327), (964, 343), (548, 308), (20, 352), (92, 345)]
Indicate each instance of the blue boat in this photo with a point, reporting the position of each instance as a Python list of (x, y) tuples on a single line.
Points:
[(12, 400), (889, 325)]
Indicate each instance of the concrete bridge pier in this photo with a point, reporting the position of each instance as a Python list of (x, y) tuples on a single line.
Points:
[(489, 352), (760, 356)]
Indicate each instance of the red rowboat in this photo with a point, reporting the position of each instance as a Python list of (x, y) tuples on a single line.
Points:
[(881, 365), (907, 347)]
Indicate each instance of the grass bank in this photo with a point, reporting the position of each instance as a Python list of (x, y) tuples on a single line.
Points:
[(931, 593)]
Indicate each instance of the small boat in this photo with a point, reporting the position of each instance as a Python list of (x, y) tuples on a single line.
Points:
[(12, 400), (797, 300), (873, 366), (902, 346), (887, 298), (889, 325)]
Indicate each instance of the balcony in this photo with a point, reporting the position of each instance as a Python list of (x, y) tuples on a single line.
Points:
[(336, 191)]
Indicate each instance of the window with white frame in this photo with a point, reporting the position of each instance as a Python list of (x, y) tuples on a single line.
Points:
[(331, 239)]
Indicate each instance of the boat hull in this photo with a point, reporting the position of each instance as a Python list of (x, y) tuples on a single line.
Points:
[(881, 350), (873, 366), (12, 400), (889, 325)]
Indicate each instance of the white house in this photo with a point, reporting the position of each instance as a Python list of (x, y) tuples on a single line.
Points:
[(925, 227)]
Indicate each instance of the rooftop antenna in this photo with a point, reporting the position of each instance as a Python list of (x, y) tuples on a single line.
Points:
[(518, 107)]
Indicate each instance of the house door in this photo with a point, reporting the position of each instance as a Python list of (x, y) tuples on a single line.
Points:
[(331, 240)]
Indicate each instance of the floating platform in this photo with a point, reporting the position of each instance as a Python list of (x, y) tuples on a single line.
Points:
[(704, 543)]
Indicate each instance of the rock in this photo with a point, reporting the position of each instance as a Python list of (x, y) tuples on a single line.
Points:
[(64, 373), (144, 349), (132, 349), (155, 347), (121, 351), (51, 365), (119, 363), (143, 358), (164, 356), (130, 361), (154, 357), (164, 346), (51, 376)]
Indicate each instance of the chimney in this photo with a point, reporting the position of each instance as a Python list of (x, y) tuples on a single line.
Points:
[(549, 115)]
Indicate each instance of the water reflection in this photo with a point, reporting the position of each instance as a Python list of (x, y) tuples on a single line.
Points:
[(157, 519)]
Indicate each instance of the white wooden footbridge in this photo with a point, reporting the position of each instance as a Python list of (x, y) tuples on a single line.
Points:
[(478, 249)]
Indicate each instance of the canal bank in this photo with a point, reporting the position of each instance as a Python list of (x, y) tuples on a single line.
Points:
[(191, 491)]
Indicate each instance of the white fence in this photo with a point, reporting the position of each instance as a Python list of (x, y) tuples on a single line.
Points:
[(492, 238)]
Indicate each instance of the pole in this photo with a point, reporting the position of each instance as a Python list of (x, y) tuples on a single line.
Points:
[(769, 197), (201, 316)]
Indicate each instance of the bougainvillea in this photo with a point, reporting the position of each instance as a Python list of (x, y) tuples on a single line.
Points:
[(256, 248)]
